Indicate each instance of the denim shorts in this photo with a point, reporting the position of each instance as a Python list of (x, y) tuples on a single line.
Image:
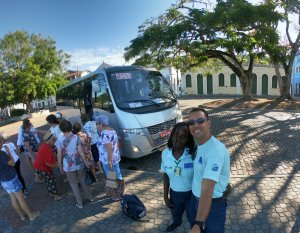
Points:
[(12, 186)]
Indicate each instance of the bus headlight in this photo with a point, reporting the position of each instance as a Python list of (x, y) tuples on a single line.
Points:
[(139, 132), (135, 149)]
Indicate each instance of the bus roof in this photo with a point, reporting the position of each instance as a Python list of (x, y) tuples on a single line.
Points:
[(107, 69)]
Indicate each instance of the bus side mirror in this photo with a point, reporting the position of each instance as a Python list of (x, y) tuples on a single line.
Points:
[(96, 87)]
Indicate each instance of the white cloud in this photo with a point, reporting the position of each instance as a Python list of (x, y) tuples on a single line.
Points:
[(91, 59)]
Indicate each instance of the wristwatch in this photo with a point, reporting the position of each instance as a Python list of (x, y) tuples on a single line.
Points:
[(201, 224)]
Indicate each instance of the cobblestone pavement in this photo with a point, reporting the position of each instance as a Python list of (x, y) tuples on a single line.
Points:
[(264, 147)]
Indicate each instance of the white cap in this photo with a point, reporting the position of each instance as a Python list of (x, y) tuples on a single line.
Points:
[(58, 115), (24, 116)]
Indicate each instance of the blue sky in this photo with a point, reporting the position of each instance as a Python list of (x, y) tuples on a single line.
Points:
[(92, 31)]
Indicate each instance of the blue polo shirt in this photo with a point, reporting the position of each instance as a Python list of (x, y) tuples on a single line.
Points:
[(182, 183), (212, 162)]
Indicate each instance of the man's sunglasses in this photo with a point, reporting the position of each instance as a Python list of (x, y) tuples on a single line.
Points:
[(198, 120)]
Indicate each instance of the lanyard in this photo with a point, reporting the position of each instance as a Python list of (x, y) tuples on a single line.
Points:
[(177, 162)]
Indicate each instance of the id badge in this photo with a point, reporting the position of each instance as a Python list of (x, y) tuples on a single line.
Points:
[(177, 171)]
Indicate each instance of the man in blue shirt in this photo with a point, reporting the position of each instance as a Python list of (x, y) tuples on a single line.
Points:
[(211, 176)]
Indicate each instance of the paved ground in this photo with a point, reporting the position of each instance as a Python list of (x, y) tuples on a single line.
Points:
[(264, 148)]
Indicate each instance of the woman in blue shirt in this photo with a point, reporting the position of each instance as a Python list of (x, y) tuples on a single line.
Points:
[(177, 165)]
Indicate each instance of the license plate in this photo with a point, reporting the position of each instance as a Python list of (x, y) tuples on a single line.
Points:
[(165, 133)]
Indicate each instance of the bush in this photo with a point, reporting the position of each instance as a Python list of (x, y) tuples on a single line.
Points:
[(17, 112)]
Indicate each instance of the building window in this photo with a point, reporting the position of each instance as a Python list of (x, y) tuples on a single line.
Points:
[(274, 81), (233, 80), (221, 80), (188, 80)]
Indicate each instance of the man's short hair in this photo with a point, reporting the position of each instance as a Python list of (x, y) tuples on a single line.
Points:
[(197, 109)]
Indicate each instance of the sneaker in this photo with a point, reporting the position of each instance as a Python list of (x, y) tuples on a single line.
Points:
[(79, 206), (171, 228)]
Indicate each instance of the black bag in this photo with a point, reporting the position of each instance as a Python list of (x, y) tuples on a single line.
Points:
[(22, 149), (89, 177), (133, 207)]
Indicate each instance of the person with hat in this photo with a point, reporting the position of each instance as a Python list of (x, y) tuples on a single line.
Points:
[(45, 162), (109, 152)]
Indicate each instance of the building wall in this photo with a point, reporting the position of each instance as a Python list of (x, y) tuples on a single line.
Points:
[(227, 88), (296, 76), (173, 76)]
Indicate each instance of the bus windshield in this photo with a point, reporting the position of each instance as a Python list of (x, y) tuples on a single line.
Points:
[(140, 88)]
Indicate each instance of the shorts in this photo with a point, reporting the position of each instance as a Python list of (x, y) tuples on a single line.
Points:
[(12, 186)]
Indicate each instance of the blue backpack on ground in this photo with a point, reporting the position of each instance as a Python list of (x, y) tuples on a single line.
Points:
[(133, 207)]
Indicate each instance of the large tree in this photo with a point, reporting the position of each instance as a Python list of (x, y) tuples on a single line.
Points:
[(30, 68), (284, 53), (188, 35)]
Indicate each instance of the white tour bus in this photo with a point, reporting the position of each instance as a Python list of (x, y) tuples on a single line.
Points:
[(139, 102)]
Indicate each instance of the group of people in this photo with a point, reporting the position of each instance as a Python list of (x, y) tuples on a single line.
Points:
[(72, 148), (196, 169), (196, 165)]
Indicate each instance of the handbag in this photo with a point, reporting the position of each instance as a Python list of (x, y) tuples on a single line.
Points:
[(89, 177)]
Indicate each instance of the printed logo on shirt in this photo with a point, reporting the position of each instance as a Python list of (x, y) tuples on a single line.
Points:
[(200, 160), (188, 165), (215, 167), (166, 167)]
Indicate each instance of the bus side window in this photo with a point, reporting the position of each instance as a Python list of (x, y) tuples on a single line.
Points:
[(101, 95)]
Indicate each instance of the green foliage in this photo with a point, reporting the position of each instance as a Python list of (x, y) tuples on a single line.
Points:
[(30, 68), (235, 32)]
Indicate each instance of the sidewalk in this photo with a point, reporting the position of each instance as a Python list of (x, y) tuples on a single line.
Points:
[(256, 205), (264, 148)]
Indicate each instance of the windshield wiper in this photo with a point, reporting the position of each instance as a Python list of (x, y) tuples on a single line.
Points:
[(149, 101)]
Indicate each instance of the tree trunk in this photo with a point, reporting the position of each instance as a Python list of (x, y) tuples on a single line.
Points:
[(29, 108), (246, 83), (284, 83)]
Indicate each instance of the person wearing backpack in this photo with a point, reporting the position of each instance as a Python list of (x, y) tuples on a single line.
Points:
[(177, 165)]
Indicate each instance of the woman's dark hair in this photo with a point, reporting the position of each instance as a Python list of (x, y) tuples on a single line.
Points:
[(65, 126), (76, 127), (26, 123), (190, 143), (52, 119)]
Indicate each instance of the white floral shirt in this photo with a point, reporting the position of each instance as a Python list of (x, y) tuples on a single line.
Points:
[(72, 161), (108, 136), (90, 129)]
